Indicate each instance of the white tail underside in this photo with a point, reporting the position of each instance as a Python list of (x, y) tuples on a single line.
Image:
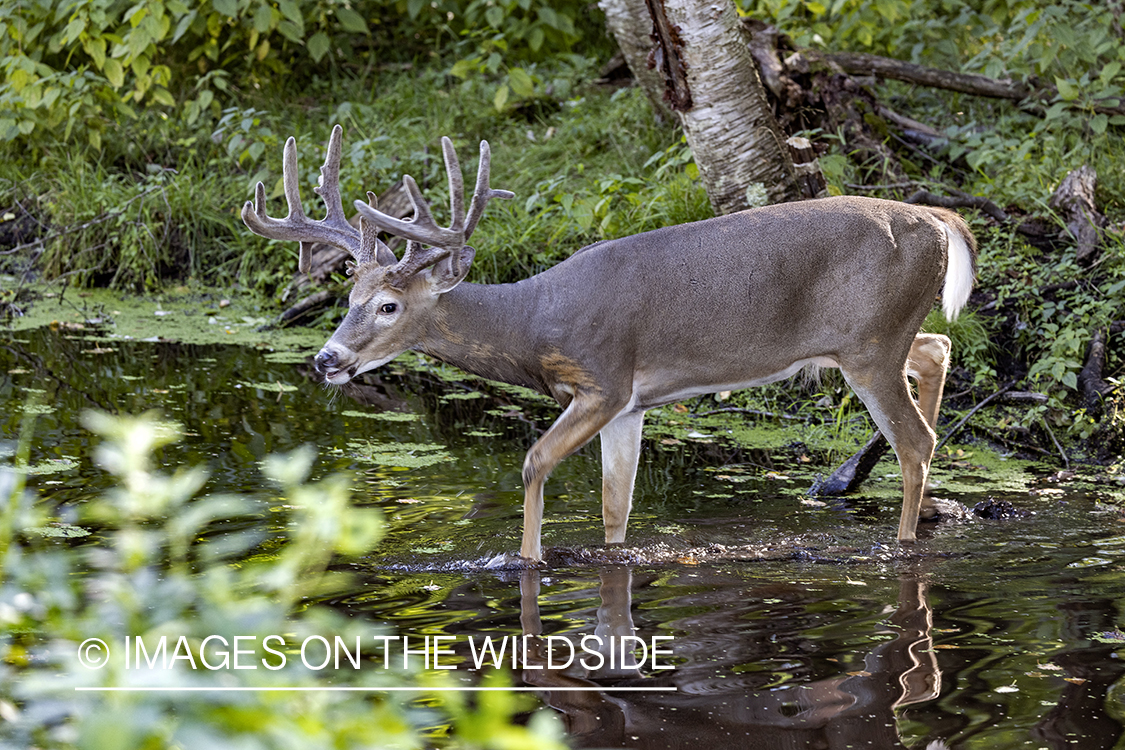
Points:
[(958, 274)]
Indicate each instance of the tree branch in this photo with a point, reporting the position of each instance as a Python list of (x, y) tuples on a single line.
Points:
[(862, 64)]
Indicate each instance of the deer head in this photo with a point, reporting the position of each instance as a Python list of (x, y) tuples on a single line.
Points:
[(392, 299)]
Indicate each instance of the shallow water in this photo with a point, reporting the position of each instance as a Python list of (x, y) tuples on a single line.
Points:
[(792, 624)]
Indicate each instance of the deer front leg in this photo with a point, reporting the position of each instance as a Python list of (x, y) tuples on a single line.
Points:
[(583, 418), (621, 449)]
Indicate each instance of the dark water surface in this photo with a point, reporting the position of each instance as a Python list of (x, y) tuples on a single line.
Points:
[(793, 625)]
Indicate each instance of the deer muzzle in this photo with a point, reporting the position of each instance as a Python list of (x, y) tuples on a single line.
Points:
[(334, 369)]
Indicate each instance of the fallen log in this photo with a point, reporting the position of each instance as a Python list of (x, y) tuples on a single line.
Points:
[(1031, 229), (1074, 200), (862, 64), (1090, 381), (855, 470)]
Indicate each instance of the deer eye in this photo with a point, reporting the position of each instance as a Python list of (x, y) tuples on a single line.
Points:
[(388, 308)]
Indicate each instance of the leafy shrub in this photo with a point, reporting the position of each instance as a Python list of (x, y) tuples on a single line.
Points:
[(172, 561), (72, 70)]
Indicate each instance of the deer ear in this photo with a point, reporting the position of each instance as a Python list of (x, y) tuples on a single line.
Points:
[(383, 255), (444, 275)]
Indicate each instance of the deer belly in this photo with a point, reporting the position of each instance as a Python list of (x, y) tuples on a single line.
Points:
[(652, 389)]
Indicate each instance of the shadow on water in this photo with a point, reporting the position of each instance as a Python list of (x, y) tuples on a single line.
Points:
[(791, 624)]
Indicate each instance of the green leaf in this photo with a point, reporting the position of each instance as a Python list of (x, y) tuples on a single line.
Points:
[(136, 14), (1067, 90), (228, 8), (351, 21), (183, 26), (1109, 72), (292, 11), (501, 98), (463, 68), (49, 97), (495, 16), (521, 82), (1099, 123), (74, 29), (549, 17), (535, 38), (291, 31), (8, 129), (95, 48), (263, 17), (414, 8), (114, 73), (162, 96), (318, 45)]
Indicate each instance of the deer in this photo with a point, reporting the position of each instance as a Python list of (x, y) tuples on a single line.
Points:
[(630, 324)]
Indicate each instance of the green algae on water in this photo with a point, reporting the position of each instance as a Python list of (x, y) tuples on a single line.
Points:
[(400, 455)]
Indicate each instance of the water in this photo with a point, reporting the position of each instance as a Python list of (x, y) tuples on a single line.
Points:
[(791, 624)]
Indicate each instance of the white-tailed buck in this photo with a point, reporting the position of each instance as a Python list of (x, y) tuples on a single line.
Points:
[(626, 325)]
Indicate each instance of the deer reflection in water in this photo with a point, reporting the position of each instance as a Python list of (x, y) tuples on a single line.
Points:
[(850, 710)]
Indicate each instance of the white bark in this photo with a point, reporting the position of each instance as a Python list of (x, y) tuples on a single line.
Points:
[(736, 141), (631, 26)]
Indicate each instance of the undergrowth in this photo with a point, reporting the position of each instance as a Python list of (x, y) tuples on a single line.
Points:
[(164, 206)]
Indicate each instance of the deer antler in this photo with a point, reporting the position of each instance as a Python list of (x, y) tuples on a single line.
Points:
[(364, 245), (423, 230), (333, 229)]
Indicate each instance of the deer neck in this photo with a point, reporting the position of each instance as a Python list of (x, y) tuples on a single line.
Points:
[(486, 329)]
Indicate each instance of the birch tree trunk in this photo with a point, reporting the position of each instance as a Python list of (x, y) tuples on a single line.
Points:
[(631, 26), (711, 81)]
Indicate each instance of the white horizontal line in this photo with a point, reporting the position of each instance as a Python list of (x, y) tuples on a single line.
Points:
[(368, 689)]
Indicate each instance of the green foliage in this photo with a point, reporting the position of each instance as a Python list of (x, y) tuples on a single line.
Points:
[(1051, 39), (615, 205), (74, 70), (973, 347), (496, 33), (1075, 46), (170, 560)]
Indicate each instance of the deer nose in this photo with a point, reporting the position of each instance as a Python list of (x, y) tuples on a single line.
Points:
[(326, 360)]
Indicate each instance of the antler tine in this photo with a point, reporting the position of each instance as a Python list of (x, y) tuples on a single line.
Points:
[(483, 193), (416, 257), (456, 185), (329, 186), (333, 229), (422, 228), (370, 246)]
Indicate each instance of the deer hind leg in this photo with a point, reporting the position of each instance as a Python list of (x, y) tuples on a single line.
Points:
[(927, 364), (886, 395), (583, 418), (621, 450)]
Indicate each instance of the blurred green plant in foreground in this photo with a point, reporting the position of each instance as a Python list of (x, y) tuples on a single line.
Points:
[(170, 560)]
